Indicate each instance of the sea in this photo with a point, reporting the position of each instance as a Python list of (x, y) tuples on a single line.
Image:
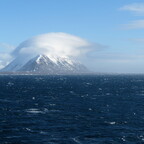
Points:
[(82, 109)]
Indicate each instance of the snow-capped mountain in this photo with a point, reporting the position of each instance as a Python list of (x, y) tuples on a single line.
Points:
[(42, 64)]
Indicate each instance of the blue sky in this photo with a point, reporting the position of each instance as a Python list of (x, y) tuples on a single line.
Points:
[(118, 26)]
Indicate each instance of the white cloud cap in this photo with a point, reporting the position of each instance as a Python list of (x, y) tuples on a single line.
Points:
[(60, 44)]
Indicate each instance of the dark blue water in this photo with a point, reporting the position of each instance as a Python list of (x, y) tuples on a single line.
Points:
[(102, 109)]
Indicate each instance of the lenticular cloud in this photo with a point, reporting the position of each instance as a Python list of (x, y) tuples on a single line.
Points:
[(60, 44)]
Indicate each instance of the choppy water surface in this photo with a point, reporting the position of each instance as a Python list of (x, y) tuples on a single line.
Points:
[(102, 109)]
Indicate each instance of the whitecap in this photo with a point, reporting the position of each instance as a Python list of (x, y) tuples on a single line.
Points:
[(43, 133), (112, 123), (52, 104), (10, 84), (10, 137), (76, 140), (90, 109), (35, 111), (28, 129), (88, 84), (72, 92), (123, 139)]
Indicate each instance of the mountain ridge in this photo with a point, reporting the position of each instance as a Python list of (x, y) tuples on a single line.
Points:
[(43, 64)]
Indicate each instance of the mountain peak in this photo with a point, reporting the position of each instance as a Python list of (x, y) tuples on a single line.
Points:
[(46, 64), (41, 58)]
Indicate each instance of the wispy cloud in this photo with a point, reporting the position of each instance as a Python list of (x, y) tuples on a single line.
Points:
[(6, 47), (5, 54), (139, 40), (136, 8), (5, 58), (117, 62), (137, 24)]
